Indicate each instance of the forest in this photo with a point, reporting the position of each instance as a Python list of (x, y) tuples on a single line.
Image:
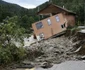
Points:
[(15, 22), (28, 16)]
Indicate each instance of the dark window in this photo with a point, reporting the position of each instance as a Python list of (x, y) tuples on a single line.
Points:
[(63, 25), (39, 25), (57, 18), (49, 22)]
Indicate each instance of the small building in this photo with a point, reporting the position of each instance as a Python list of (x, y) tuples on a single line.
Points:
[(59, 19)]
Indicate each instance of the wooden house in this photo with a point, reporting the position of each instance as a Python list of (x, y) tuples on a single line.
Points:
[(59, 19)]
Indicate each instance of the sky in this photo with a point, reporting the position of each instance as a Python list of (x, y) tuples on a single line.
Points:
[(27, 3)]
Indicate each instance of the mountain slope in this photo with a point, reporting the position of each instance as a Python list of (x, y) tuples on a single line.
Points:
[(77, 6), (8, 9)]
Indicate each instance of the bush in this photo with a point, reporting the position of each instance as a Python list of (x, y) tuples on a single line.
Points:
[(11, 53), (5, 56)]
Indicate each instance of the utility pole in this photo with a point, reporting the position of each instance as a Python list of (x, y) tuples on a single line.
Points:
[(39, 15)]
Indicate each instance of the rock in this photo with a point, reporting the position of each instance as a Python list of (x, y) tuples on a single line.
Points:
[(46, 65), (25, 65), (83, 57), (56, 50)]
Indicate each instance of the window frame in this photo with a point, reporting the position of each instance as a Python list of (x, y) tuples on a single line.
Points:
[(57, 18), (49, 21), (39, 26), (63, 25)]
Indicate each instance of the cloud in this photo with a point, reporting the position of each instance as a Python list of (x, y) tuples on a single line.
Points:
[(29, 6), (27, 3), (12, 1)]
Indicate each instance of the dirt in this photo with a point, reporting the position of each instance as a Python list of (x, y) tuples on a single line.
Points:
[(55, 51), (47, 53)]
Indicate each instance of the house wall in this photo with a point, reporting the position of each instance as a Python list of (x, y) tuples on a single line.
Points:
[(50, 30), (71, 20)]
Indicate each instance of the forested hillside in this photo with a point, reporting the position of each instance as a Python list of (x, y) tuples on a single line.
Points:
[(28, 16), (25, 16), (77, 6), (8, 9)]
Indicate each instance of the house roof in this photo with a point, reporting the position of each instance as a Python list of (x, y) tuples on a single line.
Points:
[(52, 8)]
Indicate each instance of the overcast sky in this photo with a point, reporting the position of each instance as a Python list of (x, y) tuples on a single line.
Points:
[(27, 3)]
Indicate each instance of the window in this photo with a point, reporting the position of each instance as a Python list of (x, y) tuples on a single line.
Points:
[(39, 25), (57, 19), (63, 25), (49, 22), (41, 36)]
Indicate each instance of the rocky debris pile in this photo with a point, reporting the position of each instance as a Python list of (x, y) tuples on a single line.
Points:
[(46, 53), (25, 65), (55, 50), (81, 45), (81, 35)]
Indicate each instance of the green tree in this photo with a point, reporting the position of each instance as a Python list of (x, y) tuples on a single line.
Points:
[(10, 30), (31, 20)]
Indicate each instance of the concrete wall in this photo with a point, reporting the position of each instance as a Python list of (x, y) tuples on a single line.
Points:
[(50, 30)]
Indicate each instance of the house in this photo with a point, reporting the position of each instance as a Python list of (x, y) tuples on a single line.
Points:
[(59, 19)]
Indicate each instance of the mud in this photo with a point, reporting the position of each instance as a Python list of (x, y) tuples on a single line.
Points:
[(55, 51), (48, 53)]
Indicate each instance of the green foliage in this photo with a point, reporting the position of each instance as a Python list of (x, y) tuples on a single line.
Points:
[(10, 30), (26, 21), (7, 9), (76, 6), (23, 14), (11, 53), (5, 56)]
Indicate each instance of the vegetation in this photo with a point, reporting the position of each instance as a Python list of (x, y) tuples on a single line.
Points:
[(8, 51), (7, 9), (10, 54), (76, 6), (25, 17)]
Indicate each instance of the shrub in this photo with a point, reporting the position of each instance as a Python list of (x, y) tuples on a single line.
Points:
[(11, 53)]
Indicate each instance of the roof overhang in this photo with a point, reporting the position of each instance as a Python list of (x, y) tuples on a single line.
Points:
[(51, 8)]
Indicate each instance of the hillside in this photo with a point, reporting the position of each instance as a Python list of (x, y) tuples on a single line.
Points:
[(77, 6), (8, 9), (25, 17)]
